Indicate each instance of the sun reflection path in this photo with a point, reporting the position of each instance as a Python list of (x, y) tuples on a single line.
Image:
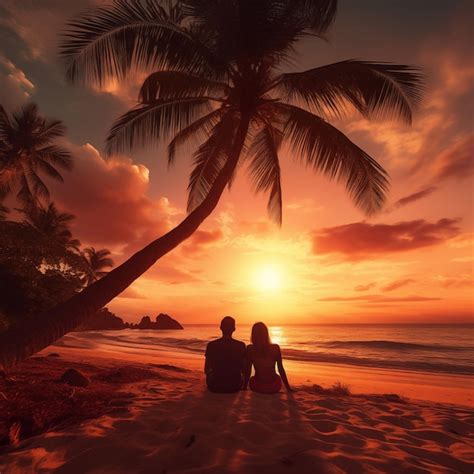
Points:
[(277, 335)]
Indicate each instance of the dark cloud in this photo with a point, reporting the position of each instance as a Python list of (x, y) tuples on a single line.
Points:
[(411, 198), (361, 240), (109, 199), (397, 284), (453, 163), (456, 162), (15, 87)]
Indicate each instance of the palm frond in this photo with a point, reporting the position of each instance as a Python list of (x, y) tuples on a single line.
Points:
[(265, 168), (56, 156), (172, 84), (197, 131), (25, 195), (49, 170), (210, 158), (154, 121), (36, 184), (51, 130), (319, 14), (328, 150), (377, 90), (110, 41), (5, 124)]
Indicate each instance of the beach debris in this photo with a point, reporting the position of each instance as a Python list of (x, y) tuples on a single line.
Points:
[(190, 441), (14, 433), (3, 395), (75, 378)]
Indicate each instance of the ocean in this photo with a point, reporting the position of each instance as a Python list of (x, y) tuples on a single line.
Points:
[(446, 349)]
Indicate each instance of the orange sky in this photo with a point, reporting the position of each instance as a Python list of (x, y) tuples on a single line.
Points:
[(411, 263)]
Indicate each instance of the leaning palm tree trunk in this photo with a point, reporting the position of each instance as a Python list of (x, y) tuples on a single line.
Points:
[(31, 336)]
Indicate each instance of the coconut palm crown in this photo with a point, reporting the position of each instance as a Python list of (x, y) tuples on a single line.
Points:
[(94, 262), (217, 64), (215, 80), (28, 152), (51, 226)]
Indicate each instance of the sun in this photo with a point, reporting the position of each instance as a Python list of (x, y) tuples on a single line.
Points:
[(268, 278)]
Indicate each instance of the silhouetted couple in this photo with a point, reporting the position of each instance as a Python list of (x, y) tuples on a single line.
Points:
[(229, 363)]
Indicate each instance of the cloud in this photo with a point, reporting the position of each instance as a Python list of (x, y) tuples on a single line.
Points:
[(37, 23), (456, 162), (437, 148), (361, 240), (132, 293), (15, 87), (367, 287), (412, 198), (377, 299), (459, 281), (397, 284), (109, 199), (201, 239), (169, 272)]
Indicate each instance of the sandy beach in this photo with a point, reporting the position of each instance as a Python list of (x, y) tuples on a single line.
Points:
[(169, 423)]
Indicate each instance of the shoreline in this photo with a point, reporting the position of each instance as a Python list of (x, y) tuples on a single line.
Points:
[(171, 423), (441, 388)]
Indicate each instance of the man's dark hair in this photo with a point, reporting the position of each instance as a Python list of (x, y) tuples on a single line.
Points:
[(228, 325)]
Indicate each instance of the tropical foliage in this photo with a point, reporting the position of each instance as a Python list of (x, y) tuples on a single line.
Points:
[(216, 81), (95, 261), (28, 152), (41, 263), (218, 60)]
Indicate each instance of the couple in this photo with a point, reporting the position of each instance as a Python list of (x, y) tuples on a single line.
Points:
[(229, 363)]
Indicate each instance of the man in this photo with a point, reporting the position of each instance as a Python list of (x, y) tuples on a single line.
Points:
[(225, 359)]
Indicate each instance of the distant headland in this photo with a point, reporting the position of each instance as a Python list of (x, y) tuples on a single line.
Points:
[(106, 320)]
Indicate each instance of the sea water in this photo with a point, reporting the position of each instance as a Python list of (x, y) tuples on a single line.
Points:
[(416, 347)]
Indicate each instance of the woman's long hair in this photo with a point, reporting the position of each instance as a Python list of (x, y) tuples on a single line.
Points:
[(260, 338)]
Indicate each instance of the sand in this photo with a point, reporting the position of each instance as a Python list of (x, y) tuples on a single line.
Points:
[(174, 425)]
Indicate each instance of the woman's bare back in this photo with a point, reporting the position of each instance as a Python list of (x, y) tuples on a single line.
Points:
[(264, 363)]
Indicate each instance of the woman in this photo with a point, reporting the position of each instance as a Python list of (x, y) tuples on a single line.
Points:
[(263, 355)]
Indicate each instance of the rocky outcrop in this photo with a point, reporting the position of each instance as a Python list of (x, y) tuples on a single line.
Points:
[(106, 320), (75, 378), (102, 320), (145, 323), (165, 321), (162, 321)]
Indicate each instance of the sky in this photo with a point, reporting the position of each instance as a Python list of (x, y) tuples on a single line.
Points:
[(328, 263)]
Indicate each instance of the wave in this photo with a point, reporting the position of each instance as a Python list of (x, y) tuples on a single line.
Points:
[(393, 345), (393, 354), (385, 363)]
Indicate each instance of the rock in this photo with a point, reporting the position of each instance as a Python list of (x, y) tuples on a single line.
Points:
[(102, 320), (75, 378), (165, 321), (162, 321), (54, 354), (145, 323)]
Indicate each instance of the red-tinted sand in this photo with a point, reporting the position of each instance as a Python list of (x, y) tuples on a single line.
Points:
[(172, 424)]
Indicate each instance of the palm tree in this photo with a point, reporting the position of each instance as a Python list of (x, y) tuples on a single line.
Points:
[(27, 151), (94, 263), (51, 227), (217, 82)]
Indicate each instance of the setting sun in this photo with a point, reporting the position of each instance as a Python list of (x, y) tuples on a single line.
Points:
[(268, 278)]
